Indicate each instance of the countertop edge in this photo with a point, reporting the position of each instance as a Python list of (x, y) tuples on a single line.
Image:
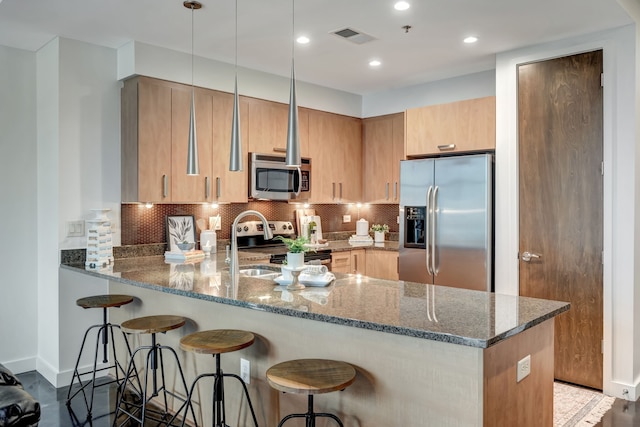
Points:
[(374, 326)]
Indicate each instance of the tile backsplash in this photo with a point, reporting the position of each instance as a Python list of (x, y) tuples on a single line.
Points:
[(142, 225)]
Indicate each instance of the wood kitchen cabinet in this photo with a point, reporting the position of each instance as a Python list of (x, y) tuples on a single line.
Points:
[(349, 262), (382, 264), (463, 126), (383, 148), (155, 130), (335, 146), (268, 127), (146, 140)]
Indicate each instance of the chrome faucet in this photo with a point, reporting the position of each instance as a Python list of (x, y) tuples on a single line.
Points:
[(268, 234)]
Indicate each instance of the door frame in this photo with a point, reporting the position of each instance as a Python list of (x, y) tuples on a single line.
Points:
[(616, 126)]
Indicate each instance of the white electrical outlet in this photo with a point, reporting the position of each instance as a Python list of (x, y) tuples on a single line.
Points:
[(524, 368), (218, 226), (346, 218), (245, 371)]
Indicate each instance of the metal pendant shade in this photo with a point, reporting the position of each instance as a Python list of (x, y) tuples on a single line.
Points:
[(293, 133), (235, 156), (193, 167)]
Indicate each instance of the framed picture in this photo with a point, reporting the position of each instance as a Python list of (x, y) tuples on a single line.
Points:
[(179, 229)]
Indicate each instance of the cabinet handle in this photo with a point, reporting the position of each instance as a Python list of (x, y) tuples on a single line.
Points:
[(207, 188), (218, 187), (395, 190), (355, 267), (447, 147), (386, 191), (333, 196), (165, 186), (340, 191), (279, 150)]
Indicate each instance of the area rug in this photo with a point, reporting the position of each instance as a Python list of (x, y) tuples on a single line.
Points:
[(578, 407)]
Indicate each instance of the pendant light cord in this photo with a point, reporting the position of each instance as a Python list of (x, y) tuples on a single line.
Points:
[(236, 41), (293, 27), (192, 89)]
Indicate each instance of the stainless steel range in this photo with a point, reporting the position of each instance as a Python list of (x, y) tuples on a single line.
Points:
[(250, 236)]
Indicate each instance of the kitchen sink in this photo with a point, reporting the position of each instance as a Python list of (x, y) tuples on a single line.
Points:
[(259, 271), (256, 271)]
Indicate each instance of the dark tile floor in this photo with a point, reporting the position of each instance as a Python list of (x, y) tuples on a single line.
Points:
[(56, 414)]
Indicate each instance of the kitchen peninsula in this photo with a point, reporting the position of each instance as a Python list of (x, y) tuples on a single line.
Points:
[(425, 355)]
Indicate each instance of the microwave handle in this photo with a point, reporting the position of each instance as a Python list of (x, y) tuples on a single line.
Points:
[(299, 189)]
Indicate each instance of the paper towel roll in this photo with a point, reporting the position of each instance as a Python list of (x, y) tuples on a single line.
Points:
[(362, 227)]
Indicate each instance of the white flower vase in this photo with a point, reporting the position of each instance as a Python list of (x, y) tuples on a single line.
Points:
[(379, 236), (295, 260)]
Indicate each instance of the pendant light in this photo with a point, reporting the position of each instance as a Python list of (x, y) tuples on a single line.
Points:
[(192, 151), (235, 154), (293, 134)]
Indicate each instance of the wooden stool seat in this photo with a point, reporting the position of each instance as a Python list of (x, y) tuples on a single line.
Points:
[(104, 301), (153, 324), (217, 341), (311, 376)]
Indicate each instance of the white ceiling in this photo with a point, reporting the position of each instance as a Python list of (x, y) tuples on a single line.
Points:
[(431, 50)]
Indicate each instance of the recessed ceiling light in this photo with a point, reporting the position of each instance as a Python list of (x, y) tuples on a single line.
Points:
[(375, 63), (470, 39), (401, 5), (303, 40)]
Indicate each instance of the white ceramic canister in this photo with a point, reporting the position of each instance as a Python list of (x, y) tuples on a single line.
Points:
[(208, 237), (362, 227)]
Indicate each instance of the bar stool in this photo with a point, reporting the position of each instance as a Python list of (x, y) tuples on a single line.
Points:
[(131, 408), (104, 329), (311, 376), (216, 342)]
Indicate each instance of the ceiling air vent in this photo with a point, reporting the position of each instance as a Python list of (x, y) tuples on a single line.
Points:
[(354, 36)]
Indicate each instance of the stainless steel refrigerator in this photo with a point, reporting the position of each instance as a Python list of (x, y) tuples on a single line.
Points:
[(446, 209)]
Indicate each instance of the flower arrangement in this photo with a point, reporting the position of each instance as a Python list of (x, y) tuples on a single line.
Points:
[(380, 228), (296, 245)]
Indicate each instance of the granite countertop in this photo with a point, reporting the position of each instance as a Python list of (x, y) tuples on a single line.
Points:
[(471, 318)]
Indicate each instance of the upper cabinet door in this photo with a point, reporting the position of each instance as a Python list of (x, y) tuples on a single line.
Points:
[(383, 148), (335, 144), (463, 126), (146, 141), (268, 127), (227, 186), (185, 188)]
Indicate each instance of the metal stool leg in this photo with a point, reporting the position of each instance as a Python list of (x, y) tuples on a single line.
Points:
[(311, 416), (154, 352), (103, 332)]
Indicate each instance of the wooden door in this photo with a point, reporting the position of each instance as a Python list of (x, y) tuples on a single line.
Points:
[(561, 204), (379, 158)]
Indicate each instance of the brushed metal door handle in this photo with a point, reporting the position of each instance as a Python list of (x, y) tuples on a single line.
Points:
[(527, 256)]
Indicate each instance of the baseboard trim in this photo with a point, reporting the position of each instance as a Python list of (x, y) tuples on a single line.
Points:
[(22, 365), (623, 391)]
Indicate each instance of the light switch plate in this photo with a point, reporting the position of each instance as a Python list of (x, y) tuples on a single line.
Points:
[(75, 228), (346, 218)]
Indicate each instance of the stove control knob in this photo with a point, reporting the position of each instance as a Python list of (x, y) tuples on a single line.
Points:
[(284, 227), (290, 227), (246, 228), (239, 229)]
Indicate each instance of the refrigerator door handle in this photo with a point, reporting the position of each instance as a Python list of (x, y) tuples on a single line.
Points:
[(426, 230), (433, 230)]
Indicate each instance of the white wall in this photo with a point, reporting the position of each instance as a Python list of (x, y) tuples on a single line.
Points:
[(620, 191), (18, 172), (470, 86), (137, 58)]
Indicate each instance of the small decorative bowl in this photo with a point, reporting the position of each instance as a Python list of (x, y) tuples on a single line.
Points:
[(186, 246)]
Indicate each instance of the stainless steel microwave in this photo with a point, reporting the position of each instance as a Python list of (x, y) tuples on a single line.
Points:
[(271, 179)]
